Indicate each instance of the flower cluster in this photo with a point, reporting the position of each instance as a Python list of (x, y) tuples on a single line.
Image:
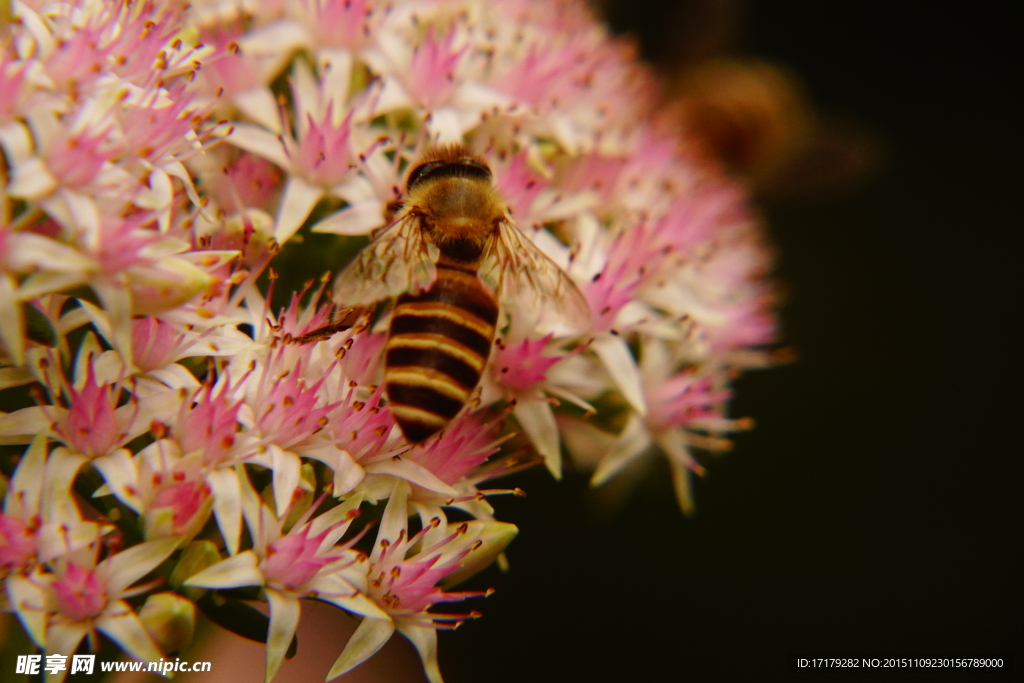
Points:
[(159, 156)]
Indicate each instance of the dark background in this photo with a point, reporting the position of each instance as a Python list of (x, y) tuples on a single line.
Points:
[(876, 507)]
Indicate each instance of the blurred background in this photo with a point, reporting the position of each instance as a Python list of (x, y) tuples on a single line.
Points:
[(876, 507)]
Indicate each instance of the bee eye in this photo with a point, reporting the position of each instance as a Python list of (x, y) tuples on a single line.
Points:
[(474, 169), (422, 171), (466, 167)]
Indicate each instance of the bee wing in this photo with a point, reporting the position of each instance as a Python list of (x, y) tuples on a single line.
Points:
[(523, 275), (398, 260)]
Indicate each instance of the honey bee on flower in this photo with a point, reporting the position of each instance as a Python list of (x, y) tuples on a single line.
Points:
[(451, 258)]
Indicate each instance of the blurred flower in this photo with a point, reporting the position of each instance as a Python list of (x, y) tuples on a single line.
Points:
[(40, 520)]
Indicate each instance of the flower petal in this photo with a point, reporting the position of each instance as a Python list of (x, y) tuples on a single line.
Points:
[(356, 604), (26, 486), (347, 474), (538, 421), (12, 322), (27, 598), (227, 505), (31, 180), (357, 219), (128, 566), (239, 570), (424, 639), (298, 201), (122, 477), (364, 643), (56, 539), (394, 522), (412, 472), (615, 354), (494, 537), (61, 469), (258, 103), (334, 516), (335, 68), (21, 425), (284, 620), (633, 441), (681, 485), (117, 302), (259, 141), (63, 637), (124, 627), (287, 468), (12, 377)]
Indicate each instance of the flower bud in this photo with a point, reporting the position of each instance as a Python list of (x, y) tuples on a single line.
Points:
[(169, 619), (493, 539), (166, 284), (196, 557)]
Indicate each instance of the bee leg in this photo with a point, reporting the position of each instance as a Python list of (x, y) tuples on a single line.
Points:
[(391, 210), (353, 317)]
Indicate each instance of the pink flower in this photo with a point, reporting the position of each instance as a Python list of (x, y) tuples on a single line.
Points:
[(608, 292), (123, 243), (159, 131), (288, 413), (544, 75), (248, 181), (229, 72), (138, 50), (81, 594), (431, 76), (363, 426), (76, 158), (317, 149), (207, 424), (405, 585), (362, 358), (294, 560), (408, 587), (184, 500), (18, 545), (519, 186), (302, 563), (685, 411), (461, 447), (40, 521), (683, 399), (12, 79), (323, 153), (522, 365), (81, 54), (349, 24), (155, 343), (92, 427)]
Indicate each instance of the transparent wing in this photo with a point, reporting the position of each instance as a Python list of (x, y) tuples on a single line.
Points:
[(526, 280), (398, 260)]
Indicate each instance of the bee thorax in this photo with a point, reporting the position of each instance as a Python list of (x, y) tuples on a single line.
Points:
[(461, 249)]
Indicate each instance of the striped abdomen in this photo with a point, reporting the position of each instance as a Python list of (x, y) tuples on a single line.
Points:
[(438, 345)]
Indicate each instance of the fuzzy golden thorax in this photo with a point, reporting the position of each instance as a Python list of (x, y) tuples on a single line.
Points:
[(459, 215)]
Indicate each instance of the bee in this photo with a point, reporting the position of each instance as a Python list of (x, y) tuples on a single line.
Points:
[(452, 253), (755, 119)]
